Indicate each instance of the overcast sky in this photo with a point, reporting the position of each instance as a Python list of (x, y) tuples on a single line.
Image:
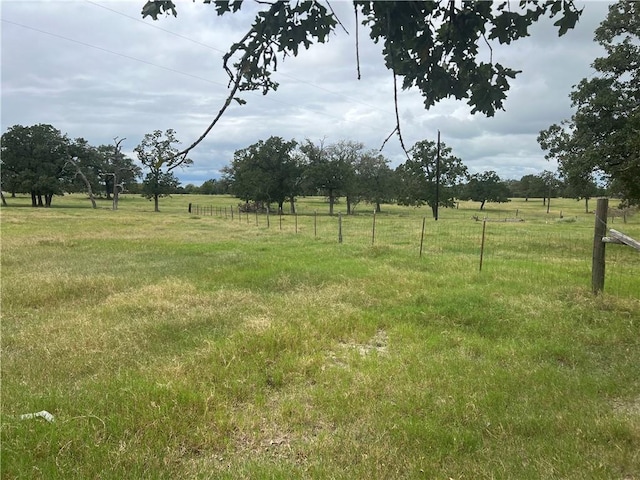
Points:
[(95, 69)]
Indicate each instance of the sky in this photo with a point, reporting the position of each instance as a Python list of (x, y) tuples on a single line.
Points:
[(95, 69)]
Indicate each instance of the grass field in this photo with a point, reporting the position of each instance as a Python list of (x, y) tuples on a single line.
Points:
[(176, 345)]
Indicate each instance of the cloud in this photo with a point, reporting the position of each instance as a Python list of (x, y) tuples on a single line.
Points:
[(96, 70)]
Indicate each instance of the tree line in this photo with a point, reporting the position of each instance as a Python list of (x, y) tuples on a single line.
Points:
[(41, 161), (272, 172)]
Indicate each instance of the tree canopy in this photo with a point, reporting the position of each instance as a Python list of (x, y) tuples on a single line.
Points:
[(418, 181), (33, 161), (266, 171), (602, 138), (159, 155), (434, 46), (485, 187)]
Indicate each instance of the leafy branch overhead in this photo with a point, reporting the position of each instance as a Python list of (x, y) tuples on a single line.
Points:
[(435, 46)]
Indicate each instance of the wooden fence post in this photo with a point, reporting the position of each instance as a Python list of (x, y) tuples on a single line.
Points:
[(598, 259), (484, 229), (340, 227), (424, 219), (373, 229)]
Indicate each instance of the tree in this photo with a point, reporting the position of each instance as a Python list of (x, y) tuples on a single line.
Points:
[(344, 158), (116, 170), (266, 171), (532, 186), (375, 179), (33, 161), (485, 187), (81, 156), (434, 46), (159, 156), (327, 171), (602, 137), (417, 176), (214, 186)]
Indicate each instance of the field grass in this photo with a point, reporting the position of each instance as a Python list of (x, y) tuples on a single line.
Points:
[(176, 345)]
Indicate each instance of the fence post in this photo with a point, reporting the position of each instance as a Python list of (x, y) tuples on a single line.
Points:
[(424, 220), (315, 224), (232, 212), (484, 226), (340, 227), (373, 229), (598, 258)]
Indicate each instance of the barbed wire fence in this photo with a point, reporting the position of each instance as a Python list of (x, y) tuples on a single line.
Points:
[(504, 249)]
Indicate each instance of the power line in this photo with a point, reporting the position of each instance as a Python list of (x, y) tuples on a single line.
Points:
[(183, 37), (146, 62), (173, 70)]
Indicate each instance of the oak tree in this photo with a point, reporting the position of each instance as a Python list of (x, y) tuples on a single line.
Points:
[(418, 182), (602, 138), (434, 46), (485, 187), (159, 155)]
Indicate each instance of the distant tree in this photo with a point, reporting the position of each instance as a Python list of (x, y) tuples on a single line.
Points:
[(159, 184), (327, 171), (551, 187), (80, 160), (214, 186), (33, 162), (532, 186), (602, 138), (345, 156), (158, 154), (581, 185), (514, 186), (376, 181), (116, 171), (417, 176), (267, 171), (485, 187)]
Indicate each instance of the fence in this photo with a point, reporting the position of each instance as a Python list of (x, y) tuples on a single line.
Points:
[(555, 252)]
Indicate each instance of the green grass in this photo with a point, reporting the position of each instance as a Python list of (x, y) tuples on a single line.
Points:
[(191, 346)]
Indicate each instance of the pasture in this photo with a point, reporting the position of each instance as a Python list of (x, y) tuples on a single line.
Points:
[(176, 345)]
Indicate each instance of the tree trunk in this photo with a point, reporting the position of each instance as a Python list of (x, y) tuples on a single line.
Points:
[(586, 205), (378, 209), (348, 205), (47, 199), (34, 199), (482, 205), (331, 202), (156, 208), (116, 193), (280, 207), (292, 202), (86, 182), (4, 201), (40, 204), (434, 210)]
